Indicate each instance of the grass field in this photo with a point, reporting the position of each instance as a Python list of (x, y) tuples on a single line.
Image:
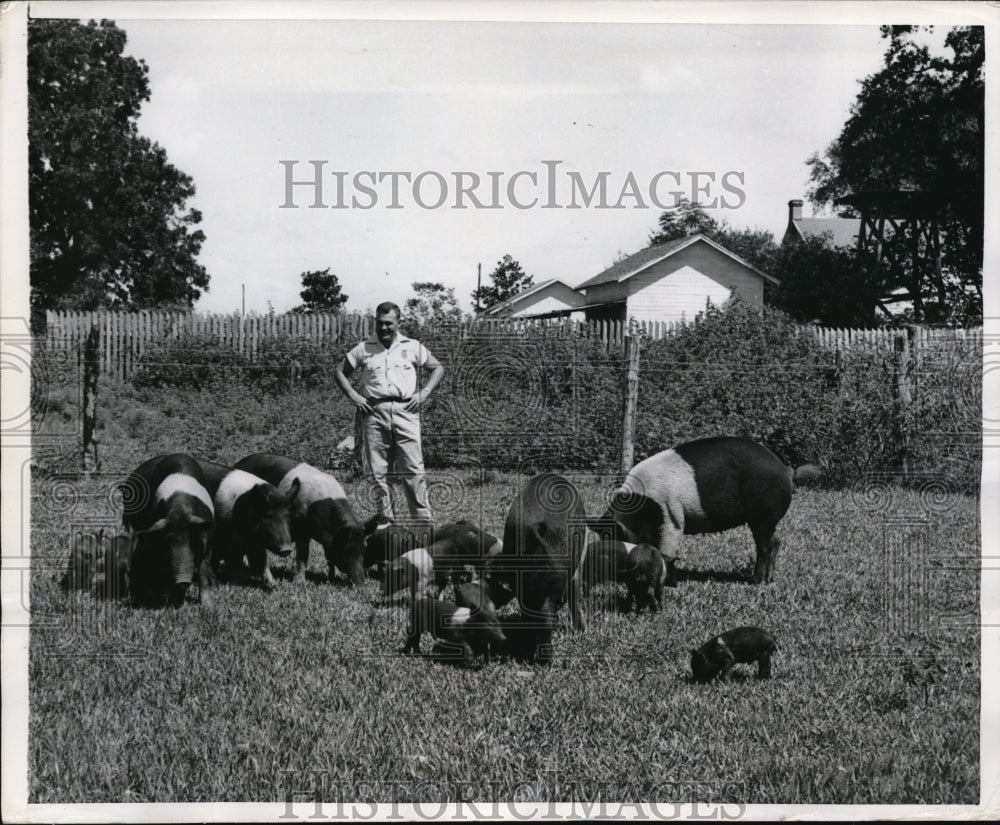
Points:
[(874, 699)]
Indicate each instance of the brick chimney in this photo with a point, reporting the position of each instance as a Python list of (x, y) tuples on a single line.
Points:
[(795, 210)]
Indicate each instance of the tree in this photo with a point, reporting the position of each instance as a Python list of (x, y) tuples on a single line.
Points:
[(822, 284), (435, 304), (109, 221), (684, 219), (755, 246), (320, 292), (919, 122), (508, 280)]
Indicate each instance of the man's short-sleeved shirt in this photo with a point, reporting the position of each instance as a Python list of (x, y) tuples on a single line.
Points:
[(386, 373)]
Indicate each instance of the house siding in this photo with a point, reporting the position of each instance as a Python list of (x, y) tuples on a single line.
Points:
[(703, 273), (548, 299), (679, 296)]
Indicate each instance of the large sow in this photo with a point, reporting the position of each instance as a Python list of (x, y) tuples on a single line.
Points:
[(705, 486), (170, 514), (544, 545), (252, 519)]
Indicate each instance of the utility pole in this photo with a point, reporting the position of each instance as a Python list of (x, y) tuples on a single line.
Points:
[(479, 285), (244, 304)]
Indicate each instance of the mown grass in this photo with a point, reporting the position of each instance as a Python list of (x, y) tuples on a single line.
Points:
[(874, 699)]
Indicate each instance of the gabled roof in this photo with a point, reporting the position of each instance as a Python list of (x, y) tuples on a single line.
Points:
[(527, 293), (645, 258), (844, 231)]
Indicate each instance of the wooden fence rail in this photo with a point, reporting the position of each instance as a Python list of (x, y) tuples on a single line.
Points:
[(125, 336)]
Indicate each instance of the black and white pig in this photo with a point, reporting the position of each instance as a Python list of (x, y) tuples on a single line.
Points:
[(385, 542), (704, 486), (544, 547), (470, 631), (170, 514), (251, 519), (413, 571), (320, 511)]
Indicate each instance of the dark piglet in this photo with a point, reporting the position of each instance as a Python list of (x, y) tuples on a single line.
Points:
[(112, 578), (320, 511), (646, 575), (542, 556), (704, 486), (469, 631), (460, 551), (483, 594), (738, 646), (84, 558)]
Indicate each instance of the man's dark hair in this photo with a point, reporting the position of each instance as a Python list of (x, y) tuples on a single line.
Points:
[(386, 307)]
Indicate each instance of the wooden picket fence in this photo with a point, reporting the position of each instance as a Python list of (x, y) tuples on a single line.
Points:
[(125, 336)]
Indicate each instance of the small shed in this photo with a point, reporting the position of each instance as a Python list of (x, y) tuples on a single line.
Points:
[(547, 298), (673, 282)]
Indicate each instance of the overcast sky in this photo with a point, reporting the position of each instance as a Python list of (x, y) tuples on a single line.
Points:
[(231, 99)]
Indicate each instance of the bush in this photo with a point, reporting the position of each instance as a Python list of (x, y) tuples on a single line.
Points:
[(192, 362), (285, 364), (738, 372), (533, 397)]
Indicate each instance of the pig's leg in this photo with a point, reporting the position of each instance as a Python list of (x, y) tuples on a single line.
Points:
[(302, 559), (768, 545), (672, 530), (764, 666), (547, 621), (576, 597), (467, 656)]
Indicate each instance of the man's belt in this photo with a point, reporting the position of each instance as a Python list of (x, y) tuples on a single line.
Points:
[(387, 399)]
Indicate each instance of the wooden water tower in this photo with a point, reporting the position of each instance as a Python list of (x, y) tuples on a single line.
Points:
[(900, 231)]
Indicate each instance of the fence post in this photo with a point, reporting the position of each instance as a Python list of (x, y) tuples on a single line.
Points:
[(89, 460), (631, 400), (360, 454), (901, 392)]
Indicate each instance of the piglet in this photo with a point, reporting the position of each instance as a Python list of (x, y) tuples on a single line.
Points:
[(483, 594), (740, 645), (83, 561), (413, 570), (646, 574), (471, 630), (386, 541)]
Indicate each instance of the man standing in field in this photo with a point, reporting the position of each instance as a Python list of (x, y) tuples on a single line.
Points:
[(390, 364)]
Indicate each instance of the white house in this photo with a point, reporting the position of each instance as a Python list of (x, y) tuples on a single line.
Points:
[(673, 282)]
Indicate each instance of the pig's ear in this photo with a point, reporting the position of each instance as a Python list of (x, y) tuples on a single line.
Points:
[(293, 491)]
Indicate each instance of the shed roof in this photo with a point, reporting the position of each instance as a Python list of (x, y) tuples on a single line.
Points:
[(645, 258), (520, 296)]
